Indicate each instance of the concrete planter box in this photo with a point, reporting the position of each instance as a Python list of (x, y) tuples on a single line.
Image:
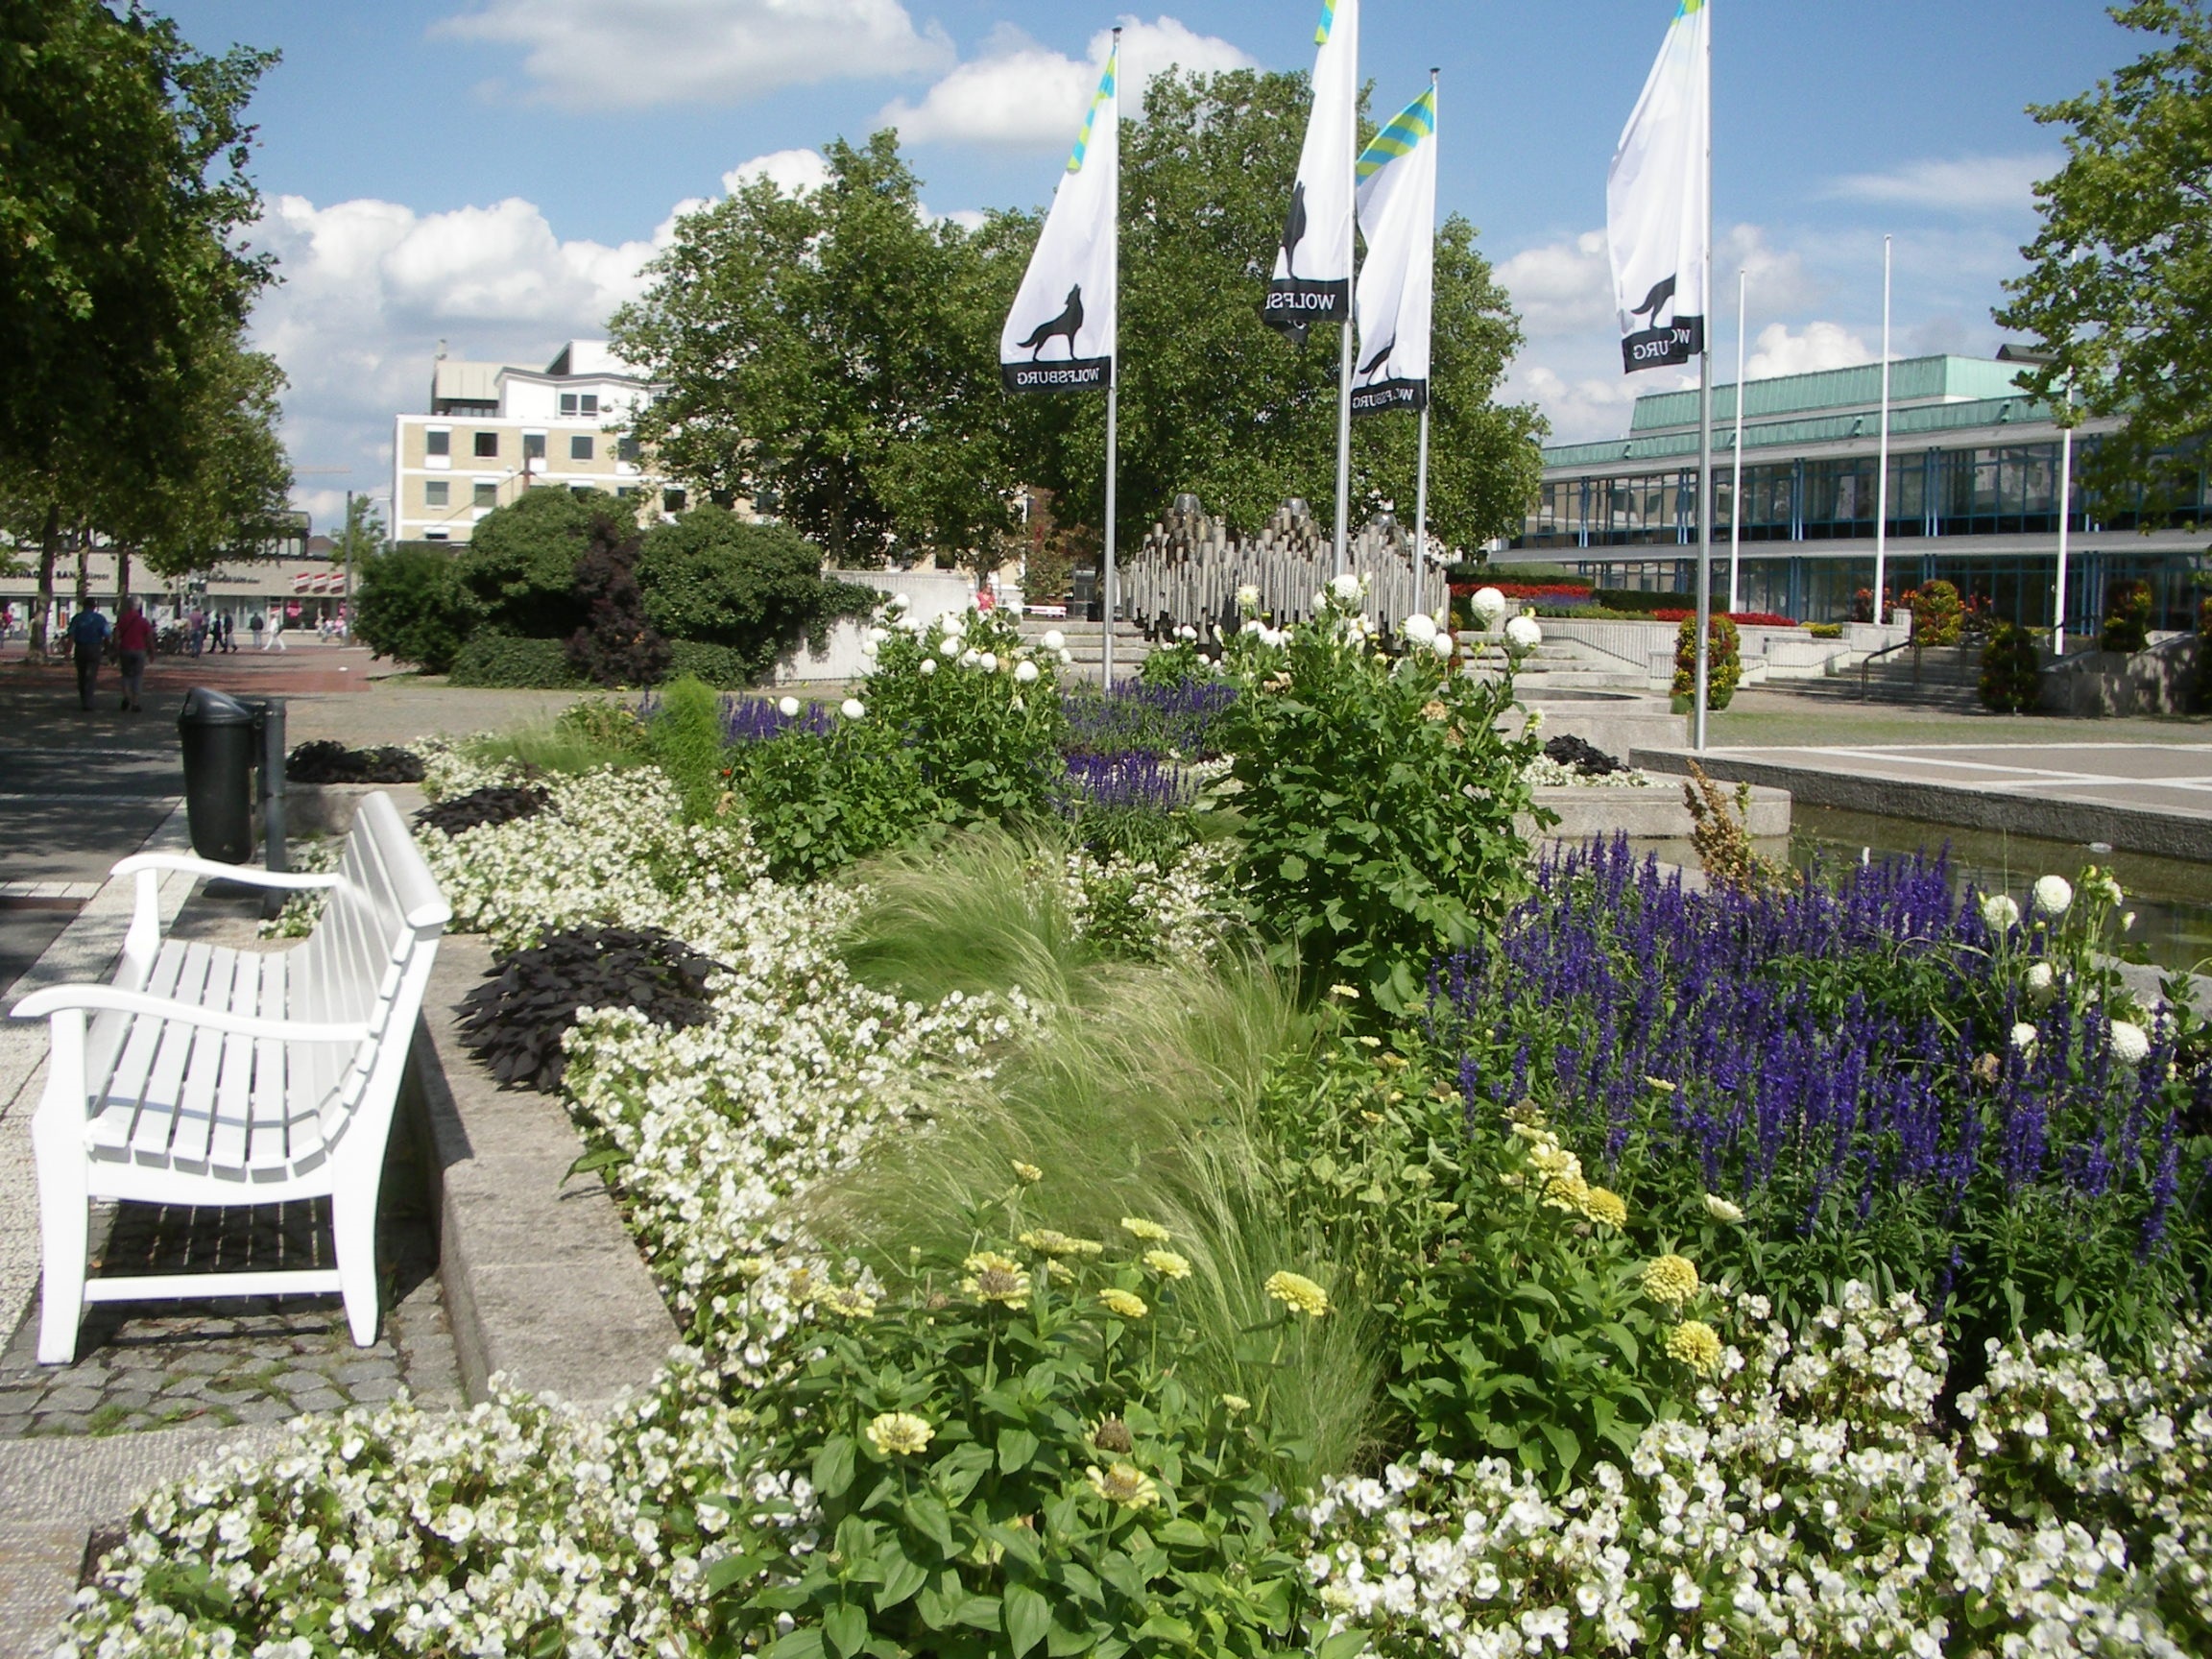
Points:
[(1616, 722), (326, 808), (2155, 681), (1654, 814)]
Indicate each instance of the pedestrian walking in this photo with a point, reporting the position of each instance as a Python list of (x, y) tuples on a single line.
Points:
[(88, 639), (229, 633), (199, 630), (253, 626), (275, 630), (133, 644)]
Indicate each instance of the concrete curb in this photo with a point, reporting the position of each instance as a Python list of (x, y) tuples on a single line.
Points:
[(2131, 828), (542, 1281), (1657, 813)]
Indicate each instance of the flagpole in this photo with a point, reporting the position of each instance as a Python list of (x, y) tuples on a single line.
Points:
[(1736, 450), (1112, 403), (1341, 558), (1705, 441), (1882, 463), (1421, 468)]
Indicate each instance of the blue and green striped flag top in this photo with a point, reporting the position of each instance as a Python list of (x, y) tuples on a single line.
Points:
[(1408, 128), (1328, 21), (1098, 103)]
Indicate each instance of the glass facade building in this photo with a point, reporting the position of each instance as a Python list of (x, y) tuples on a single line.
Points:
[(1973, 497)]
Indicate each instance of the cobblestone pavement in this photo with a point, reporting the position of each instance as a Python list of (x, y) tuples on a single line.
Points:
[(247, 1359)]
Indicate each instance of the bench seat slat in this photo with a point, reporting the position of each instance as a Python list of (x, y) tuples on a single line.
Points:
[(156, 1122), (116, 1096), (234, 1094), (233, 985)]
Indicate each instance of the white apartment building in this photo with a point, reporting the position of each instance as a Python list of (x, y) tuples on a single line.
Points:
[(496, 429)]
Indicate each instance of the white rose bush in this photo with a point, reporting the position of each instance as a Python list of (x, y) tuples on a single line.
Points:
[(1172, 1172)]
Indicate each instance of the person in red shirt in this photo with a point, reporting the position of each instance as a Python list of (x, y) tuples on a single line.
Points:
[(134, 643)]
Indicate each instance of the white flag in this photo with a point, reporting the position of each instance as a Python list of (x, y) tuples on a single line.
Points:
[(1398, 282), (1313, 265), (1657, 202), (1062, 332)]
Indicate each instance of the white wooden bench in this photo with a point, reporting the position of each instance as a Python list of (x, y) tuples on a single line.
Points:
[(210, 1076)]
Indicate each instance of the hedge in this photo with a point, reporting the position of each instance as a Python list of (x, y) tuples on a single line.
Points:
[(512, 661)]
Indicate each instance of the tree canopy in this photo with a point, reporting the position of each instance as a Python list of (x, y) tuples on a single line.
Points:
[(2120, 282), (834, 356)]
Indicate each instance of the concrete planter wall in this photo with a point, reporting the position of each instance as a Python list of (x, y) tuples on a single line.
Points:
[(933, 593), (2155, 681), (1658, 813)]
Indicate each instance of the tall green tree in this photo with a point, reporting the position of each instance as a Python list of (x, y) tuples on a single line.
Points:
[(2120, 283), (831, 354), (123, 201), (225, 491)]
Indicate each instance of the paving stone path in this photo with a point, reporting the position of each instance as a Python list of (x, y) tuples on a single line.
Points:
[(239, 1360)]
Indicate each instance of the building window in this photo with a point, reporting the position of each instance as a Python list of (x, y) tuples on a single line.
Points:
[(580, 447), (628, 449), (626, 493), (438, 442), (437, 493), (488, 445), (487, 496), (434, 534), (569, 404), (576, 403), (671, 500), (533, 446)]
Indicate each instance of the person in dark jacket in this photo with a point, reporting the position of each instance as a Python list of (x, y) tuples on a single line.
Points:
[(88, 639)]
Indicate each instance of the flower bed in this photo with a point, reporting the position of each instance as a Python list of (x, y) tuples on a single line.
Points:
[(1092, 1237)]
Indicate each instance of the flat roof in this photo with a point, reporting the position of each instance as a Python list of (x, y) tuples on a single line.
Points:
[(1940, 379)]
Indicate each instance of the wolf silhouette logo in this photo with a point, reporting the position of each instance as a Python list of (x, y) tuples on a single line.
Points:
[(1295, 229), (1065, 325), (1661, 295), (1380, 357)]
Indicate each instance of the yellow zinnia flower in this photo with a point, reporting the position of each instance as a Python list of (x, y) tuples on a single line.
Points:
[(1125, 1304), (900, 1435), (1125, 1484), (1053, 1244), (1145, 1232), (847, 1301), (996, 1279), (1028, 1173), (1698, 1345), (1298, 1293), (1670, 1280), (1603, 1205), (1167, 1264)]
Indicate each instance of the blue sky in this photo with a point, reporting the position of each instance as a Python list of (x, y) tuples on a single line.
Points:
[(493, 172)]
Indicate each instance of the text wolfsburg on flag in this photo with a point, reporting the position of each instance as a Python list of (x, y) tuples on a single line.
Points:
[(1060, 335), (1397, 195), (1313, 265), (1656, 214)]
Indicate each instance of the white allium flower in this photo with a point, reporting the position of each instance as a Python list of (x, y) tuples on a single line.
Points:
[(2041, 978), (1253, 625), (1247, 597), (2131, 1043), (852, 709), (1488, 605), (2025, 1035), (1419, 628), (1055, 641), (1026, 672), (948, 646), (2054, 894), (929, 667), (2127, 921), (988, 662), (2000, 912), (1523, 635), (1067, 658), (788, 706), (900, 601), (1272, 636), (1441, 644), (969, 659), (1345, 587), (1721, 1210)]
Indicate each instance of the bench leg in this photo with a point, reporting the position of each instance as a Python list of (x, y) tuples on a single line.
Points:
[(65, 1220), (353, 1223)]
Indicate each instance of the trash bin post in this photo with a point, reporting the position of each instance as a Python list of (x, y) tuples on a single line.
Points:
[(272, 751), (216, 735)]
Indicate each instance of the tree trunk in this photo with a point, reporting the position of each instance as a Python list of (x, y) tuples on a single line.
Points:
[(122, 580), (83, 566), (48, 550)]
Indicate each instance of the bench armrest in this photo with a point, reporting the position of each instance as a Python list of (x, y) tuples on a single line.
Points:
[(107, 999), (246, 872)]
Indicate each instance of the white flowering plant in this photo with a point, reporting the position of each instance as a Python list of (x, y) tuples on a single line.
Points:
[(1377, 800), (1002, 1460)]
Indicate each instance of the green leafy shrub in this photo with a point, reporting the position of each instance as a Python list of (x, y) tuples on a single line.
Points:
[(517, 574), (1378, 800), (2011, 670), (753, 590), (1723, 660), (1938, 613), (979, 708), (1008, 1462), (508, 660), (1824, 629), (604, 722), (820, 803), (2126, 617), (684, 739), (721, 666), (2203, 699), (1178, 662), (410, 606)]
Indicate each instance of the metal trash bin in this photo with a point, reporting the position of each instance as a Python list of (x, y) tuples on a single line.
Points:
[(221, 742)]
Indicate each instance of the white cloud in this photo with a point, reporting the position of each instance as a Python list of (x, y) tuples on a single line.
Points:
[(794, 172), (1819, 345), (1975, 184), (1583, 401), (636, 53), (1020, 95), (371, 287), (1563, 287)]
